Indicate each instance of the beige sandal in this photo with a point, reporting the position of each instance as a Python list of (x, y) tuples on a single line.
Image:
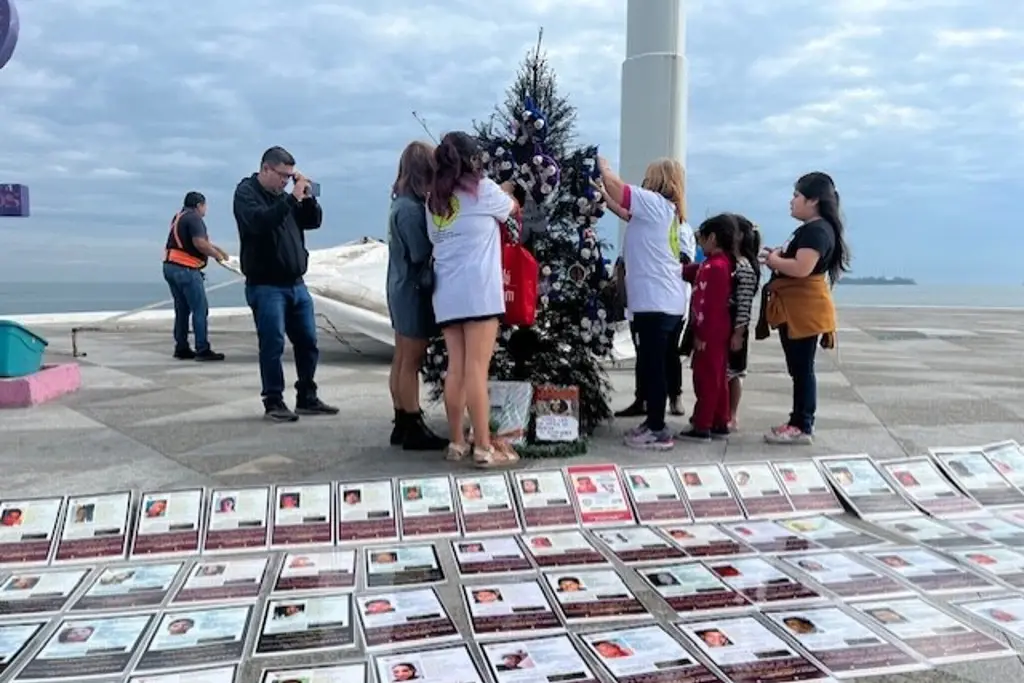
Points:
[(457, 452), (491, 457)]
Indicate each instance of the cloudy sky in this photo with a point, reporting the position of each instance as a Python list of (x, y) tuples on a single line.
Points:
[(112, 109)]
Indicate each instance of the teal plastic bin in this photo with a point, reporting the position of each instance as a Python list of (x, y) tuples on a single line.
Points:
[(21, 351)]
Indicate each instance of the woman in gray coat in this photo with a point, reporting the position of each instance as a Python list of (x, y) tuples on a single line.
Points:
[(412, 314)]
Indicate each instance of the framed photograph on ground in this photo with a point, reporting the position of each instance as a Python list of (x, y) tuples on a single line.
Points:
[(760, 582), (929, 532), (554, 658), (760, 493), (1001, 564), (598, 495), (509, 610), (930, 632), (707, 494), (201, 637), (402, 565), (746, 651), (88, 647), (690, 588), (437, 665), (219, 580), (306, 625), (974, 473), (865, 490), (544, 500), (806, 487), (1008, 458), (314, 571), (637, 545), (645, 654), (39, 592), (500, 555), (237, 520), (28, 529), (168, 523), (654, 495), (846, 647), (594, 595), (769, 537), (706, 540), (95, 528), (832, 533), (845, 576), (1005, 613), (366, 512), (129, 587), (220, 674), (920, 480), (14, 640), (407, 618), (929, 572), (356, 672), (991, 529), (485, 505), (562, 549), (426, 508), (303, 516)]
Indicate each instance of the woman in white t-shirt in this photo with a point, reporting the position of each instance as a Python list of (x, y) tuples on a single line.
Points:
[(656, 295), (464, 211)]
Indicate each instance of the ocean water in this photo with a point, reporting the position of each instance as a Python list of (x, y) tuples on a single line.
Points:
[(21, 298)]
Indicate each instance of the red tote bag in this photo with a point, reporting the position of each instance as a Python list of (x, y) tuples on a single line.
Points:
[(521, 276)]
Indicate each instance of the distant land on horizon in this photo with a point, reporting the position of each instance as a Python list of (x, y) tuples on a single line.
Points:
[(875, 280)]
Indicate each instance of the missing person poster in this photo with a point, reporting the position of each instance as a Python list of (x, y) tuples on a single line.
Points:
[(637, 545), (646, 654), (402, 565), (845, 576), (706, 540), (991, 529), (404, 619), (760, 582), (14, 639), (307, 625), (831, 533), (760, 493), (654, 495), (168, 523), (499, 555), (769, 537), (88, 647), (302, 516), (806, 486), (1005, 613), (95, 528), (129, 587), (922, 482), (598, 495), (331, 673), (366, 512), (929, 572), (220, 580), (1008, 458), (974, 473), (329, 569), (1002, 564), (215, 635), (929, 532), (426, 508), (691, 588), (561, 549), (708, 495), (27, 530), (544, 500), (237, 519), (554, 658), (594, 595), (509, 610), (485, 505), (39, 592), (220, 674), (864, 488), (438, 665)]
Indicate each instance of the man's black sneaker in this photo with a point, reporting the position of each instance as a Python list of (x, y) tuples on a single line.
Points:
[(209, 355), (315, 407), (279, 412), (634, 409), (719, 433), (185, 354), (697, 435)]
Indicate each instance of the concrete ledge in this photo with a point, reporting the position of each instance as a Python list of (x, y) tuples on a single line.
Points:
[(53, 381)]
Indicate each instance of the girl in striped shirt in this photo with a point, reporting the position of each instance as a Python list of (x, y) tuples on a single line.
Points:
[(746, 278)]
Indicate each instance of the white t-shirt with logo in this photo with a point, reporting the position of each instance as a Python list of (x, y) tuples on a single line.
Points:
[(467, 254), (653, 243)]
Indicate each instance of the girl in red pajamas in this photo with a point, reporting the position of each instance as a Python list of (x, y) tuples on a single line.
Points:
[(712, 327)]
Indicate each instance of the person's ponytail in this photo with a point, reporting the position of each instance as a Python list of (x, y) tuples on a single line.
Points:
[(448, 170)]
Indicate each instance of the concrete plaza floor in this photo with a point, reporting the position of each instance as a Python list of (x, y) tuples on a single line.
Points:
[(903, 380)]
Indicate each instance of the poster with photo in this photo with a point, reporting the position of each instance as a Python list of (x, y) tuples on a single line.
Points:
[(832, 533), (217, 580), (306, 625), (509, 610), (554, 658), (544, 500), (405, 619), (426, 508), (129, 587), (328, 569), (556, 413), (760, 582), (168, 523), (1005, 613), (439, 665), (201, 637), (402, 565), (707, 494), (974, 473), (1013, 514), (806, 486), (594, 595), (366, 512), (930, 632), (236, 519), (646, 654), (864, 488), (1008, 458), (28, 528), (746, 651), (95, 528), (485, 505), (220, 674), (760, 493), (920, 480), (706, 540), (691, 588), (637, 544), (88, 647), (845, 576), (1001, 564), (561, 549), (303, 516), (14, 639), (929, 532), (654, 495), (499, 555), (357, 672), (39, 592), (992, 529), (928, 572), (598, 495), (769, 537), (846, 647)]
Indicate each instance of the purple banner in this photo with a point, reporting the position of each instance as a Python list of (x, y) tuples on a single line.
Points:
[(14, 198), (8, 31)]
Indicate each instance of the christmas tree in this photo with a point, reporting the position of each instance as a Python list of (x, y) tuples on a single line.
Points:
[(529, 140)]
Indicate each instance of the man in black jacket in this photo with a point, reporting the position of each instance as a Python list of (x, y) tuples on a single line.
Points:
[(271, 225)]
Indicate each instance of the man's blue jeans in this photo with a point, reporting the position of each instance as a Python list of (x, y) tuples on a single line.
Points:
[(189, 293), (280, 312)]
